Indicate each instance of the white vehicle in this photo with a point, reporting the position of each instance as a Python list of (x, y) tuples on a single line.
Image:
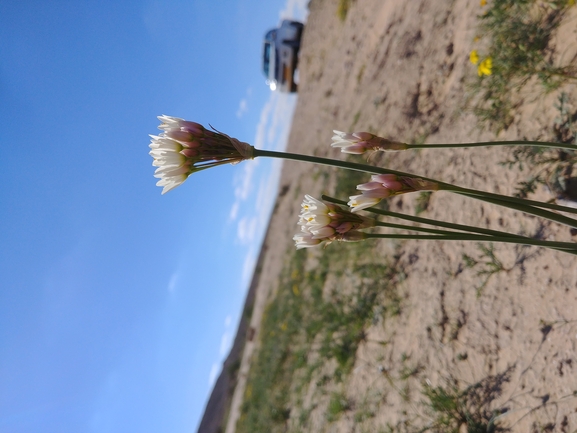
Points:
[(280, 55)]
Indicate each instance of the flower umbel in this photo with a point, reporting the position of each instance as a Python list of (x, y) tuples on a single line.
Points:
[(359, 142), (474, 57), (186, 147), (387, 185), (327, 222)]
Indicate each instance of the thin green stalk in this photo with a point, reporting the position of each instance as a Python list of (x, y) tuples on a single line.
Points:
[(437, 223), (413, 228), (502, 200), (561, 246), (533, 210), (429, 221), (520, 201), (494, 143)]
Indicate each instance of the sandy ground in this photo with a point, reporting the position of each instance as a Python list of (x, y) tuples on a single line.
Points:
[(400, 69)]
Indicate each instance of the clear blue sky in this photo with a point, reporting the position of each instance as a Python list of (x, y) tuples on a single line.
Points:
[(117, 304)]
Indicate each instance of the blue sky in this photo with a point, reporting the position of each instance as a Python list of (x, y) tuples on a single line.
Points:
[(117, 304)]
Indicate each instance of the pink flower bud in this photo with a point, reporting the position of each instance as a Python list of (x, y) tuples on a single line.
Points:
[(323, 232), (180, 135), (363, 136), (344, 227), (189, 152), (369, 185), (379, 193), (194, 144), (192, 127), (360, 142), (186, 147), (355, 149), (388, 181)]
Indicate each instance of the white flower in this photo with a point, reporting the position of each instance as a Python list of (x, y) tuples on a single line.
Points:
[(322, 232), (351, 143), (361, 201), (305, 240), (185, 147), (322, 222), (173, 167), (310, 203), (359, 142), (386, 185)]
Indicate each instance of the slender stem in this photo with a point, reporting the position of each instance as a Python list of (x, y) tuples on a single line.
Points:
[(437, 223), (564, 246), (501, 200), (331, 162), (413, 228), (431, 222), (530, 210), (521, 201), (494, 143)]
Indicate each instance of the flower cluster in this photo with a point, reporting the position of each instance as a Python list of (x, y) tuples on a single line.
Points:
[(359, 142), (186, 147), (483, 68), (386, 185), (326, 222)]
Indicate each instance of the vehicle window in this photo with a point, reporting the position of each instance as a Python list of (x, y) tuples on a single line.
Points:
[(266, 59), (276, 64)]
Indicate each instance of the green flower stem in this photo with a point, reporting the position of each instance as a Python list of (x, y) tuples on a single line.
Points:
[(561, 246), (530, 210), (413, 228), (501, 200), (520, 201), (430, 222), (471, 229), (494, 143)]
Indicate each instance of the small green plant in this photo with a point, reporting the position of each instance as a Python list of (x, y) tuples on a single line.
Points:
[(423, 200), (565, 127), (360, 74), (337, 405), (343, 9), (550, 167), (356, 118), (362, 415), (518, 49), (488, 262), (454, 410)]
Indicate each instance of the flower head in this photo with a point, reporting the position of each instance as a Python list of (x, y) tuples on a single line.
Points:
[(359, 142), (474, 57), (185, 147), (387, 185), (326, 222), (485, 67)]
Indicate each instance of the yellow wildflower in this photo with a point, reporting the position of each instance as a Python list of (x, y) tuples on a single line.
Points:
[(571, 2), (485, 67), (483, 2), (474, 57)]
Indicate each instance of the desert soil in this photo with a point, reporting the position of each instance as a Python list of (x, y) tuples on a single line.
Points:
[(400, 69)]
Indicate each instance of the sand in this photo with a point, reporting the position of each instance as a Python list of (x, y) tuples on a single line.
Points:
[(401, 69)]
